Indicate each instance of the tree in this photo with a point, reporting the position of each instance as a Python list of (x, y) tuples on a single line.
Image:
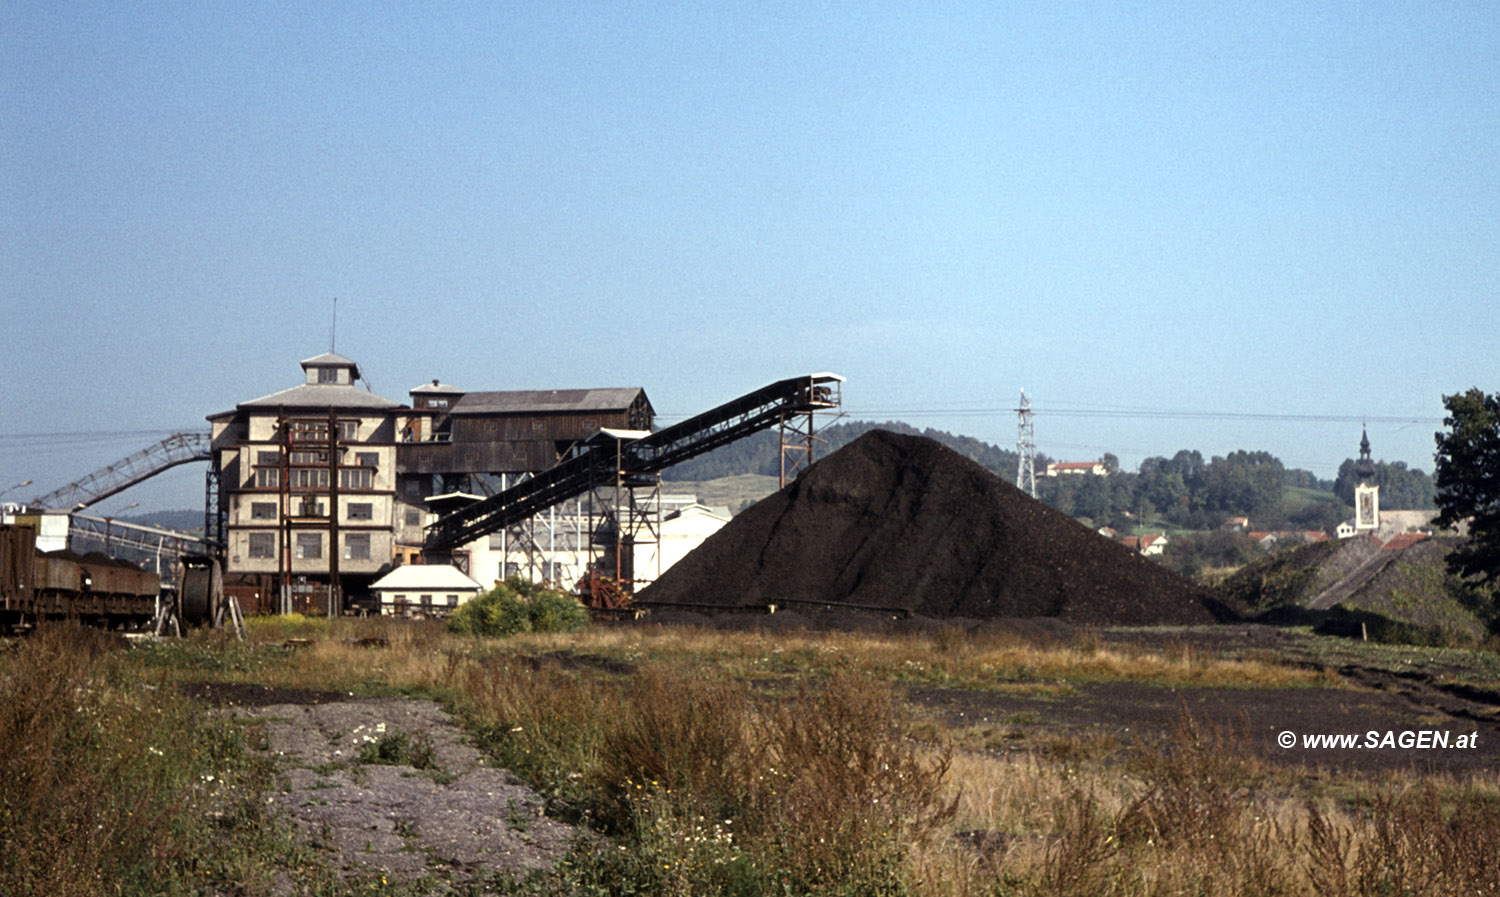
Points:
[(1467, 481)]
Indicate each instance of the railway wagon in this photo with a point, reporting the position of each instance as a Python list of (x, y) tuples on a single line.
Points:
[(94, 589)]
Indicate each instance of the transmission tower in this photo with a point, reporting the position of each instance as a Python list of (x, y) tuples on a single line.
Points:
[(1025, 448)]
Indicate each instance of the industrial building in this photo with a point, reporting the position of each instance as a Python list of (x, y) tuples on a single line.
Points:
[(324, 486), (316, 491)]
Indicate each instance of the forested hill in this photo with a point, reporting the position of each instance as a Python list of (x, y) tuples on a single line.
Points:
[(1186, 491), (761, 453)]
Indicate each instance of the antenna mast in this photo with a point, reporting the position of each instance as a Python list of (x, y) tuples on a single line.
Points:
[(1025, 448), (333, 331)]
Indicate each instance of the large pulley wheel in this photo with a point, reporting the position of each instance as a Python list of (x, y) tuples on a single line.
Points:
[(199, 596)]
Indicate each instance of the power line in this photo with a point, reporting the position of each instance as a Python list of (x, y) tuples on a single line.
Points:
[(76, 438), (1139, 413)]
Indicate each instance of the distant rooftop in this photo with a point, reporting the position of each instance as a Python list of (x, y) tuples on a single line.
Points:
[(548, 400)]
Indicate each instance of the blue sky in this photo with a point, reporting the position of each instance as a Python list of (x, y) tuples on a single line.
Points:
[(1281, 219)]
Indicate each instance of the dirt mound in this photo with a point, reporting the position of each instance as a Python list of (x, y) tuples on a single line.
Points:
[(902, 522)]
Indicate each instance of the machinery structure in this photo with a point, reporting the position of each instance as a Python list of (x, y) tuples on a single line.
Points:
[(314, 491), (179, 448), (625, 462)]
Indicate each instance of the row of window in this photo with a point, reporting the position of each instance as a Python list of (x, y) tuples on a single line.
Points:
[(354, 510), (273, 458), (317, 430), (309, 546), (424, 600), (315, 478)]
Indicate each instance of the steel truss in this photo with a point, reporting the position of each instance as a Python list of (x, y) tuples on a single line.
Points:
[(613, 456), (179, 448)]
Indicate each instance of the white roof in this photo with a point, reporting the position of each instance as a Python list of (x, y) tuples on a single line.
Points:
[(616, 433), (431, 577)]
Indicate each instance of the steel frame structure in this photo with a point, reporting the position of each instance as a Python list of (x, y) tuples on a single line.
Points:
[(179, 448), (603, 460), (1025, 447)]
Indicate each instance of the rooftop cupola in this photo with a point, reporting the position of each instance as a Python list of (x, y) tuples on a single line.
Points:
[(329, 369)]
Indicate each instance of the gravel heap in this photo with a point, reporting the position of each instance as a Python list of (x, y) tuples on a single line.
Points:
[(896, 521)]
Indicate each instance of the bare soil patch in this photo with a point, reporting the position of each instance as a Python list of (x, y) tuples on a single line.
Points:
[(1376, 699), (389, 786)]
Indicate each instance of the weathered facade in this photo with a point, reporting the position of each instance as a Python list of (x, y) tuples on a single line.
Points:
[(308, 485), (515, 432), (327, 483)]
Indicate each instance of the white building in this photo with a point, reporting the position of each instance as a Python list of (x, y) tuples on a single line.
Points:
[(425, 589), (554, 547), (1077, 469)]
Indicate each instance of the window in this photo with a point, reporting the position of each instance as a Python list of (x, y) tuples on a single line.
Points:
[(356, 478), (308, 478), (262, 545), (538, 425), (305, 457), (309, 507), (497, 541), (267, 459), (357, 546), (309, 430), (437, 403), (348, 429), (267, 478), (361, 510), (309, 545), (263, 510), (367, 459), (427, 601), (328, 375), (453, 601), (413, 517)]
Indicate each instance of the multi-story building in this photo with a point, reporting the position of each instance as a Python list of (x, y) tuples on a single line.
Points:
[(307, 480), (325, 486)]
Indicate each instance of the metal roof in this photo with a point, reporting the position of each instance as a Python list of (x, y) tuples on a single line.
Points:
[(540, 400), (433, 387), (323, 395), (326, 359)]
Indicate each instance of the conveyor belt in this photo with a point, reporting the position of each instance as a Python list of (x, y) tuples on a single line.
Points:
[(179, 448), (603, 459)]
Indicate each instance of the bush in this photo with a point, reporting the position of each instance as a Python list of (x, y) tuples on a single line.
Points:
[(820, 793), (519, 606)]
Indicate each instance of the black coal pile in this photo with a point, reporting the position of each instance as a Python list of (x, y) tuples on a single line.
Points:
[(902, 522)]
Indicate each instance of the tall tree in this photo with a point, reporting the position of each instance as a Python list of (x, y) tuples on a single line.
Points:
[(1467, 480)]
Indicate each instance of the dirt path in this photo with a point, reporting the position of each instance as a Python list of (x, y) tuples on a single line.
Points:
[(388, 786)]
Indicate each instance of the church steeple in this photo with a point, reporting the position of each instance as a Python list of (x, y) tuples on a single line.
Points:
[(1366, 492), (1364, 468)]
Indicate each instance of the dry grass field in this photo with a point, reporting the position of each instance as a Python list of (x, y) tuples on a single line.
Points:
[(1130, 762)]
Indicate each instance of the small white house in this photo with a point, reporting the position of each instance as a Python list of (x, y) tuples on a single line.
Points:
[(1150, 545), (1077, 469), (426, 589)]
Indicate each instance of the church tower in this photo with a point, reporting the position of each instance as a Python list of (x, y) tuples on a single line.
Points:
[(1366, 492)]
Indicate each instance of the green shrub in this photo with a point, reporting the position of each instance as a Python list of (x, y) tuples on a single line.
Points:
[(519, 606)]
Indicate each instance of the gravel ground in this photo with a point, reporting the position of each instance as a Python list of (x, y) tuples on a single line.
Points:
[(438, 813)]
